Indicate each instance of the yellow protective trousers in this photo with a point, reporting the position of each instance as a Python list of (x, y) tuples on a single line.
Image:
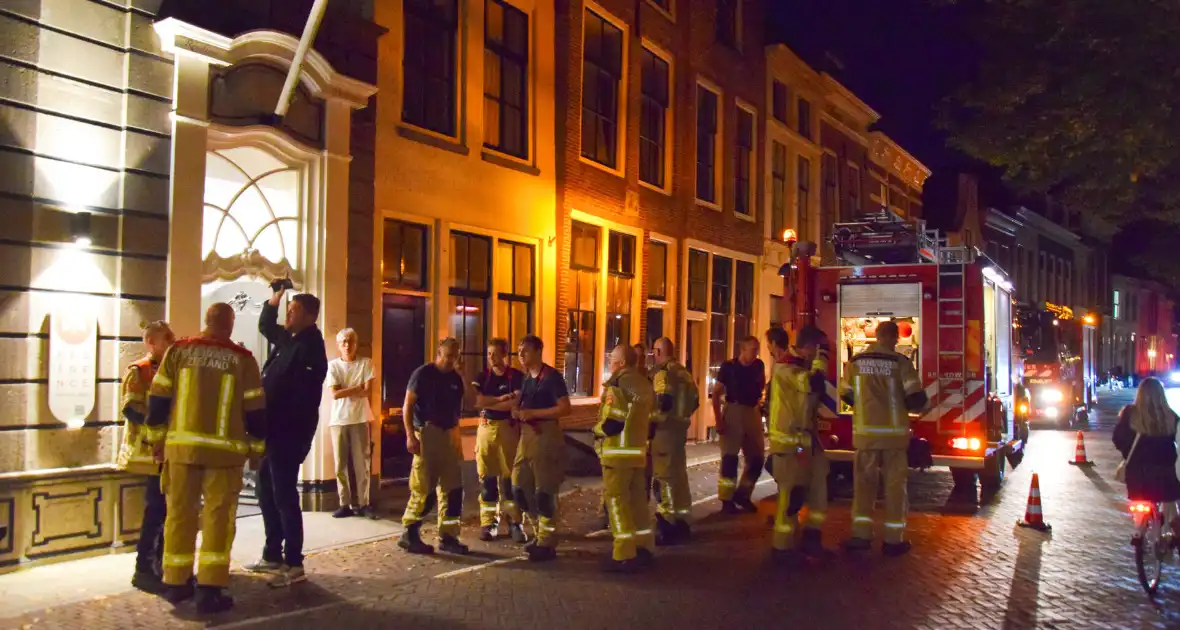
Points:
[(743, 434), (626, 502), (802, 479), (537, 475), (670, 470), (496, 442), (437, 469), (185, 485), (870, 465)]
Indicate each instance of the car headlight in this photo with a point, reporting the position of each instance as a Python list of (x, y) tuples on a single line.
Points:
[(1051, 396)]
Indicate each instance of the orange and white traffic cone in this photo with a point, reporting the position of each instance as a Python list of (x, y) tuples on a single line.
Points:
[(1079, 454), (1033, 518)]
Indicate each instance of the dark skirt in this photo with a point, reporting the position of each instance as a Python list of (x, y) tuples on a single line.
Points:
[(1152, 482)]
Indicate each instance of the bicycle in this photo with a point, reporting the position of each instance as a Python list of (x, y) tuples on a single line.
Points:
[(1153, 542)]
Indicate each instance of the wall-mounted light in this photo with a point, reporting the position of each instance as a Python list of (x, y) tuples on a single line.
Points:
[(927, 295), (829, 297), (80, 229)]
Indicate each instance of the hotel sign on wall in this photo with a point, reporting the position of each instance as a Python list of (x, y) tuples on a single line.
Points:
[(73, 359)]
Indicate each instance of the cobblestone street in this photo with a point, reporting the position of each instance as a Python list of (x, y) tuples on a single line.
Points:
[(970, 568)]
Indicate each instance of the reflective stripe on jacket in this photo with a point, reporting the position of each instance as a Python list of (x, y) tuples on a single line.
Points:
[(135, 453), (626, 397), (207, 404), (876, 383)]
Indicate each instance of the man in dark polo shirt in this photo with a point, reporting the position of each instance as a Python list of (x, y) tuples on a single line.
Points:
[(540, 459), (496, 441), (434, 400), (739, 424)]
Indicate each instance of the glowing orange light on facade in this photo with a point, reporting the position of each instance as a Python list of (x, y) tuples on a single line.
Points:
[(789, 235)]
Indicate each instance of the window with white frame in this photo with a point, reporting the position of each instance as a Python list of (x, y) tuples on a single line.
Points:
[(854, 184), (743, 191), (708, 113), (778, 101), (580, 319), (430, 65), (469, 294), (743, 300), (506, 58), (778, 191), (653, 117), (602, 73), (515, 292), (720, 307), (698, 280), (727, 23), (803, 196), (620, 275), (1116, 311)]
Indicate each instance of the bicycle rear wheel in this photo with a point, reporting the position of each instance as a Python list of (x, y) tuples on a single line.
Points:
[(1149, 553)]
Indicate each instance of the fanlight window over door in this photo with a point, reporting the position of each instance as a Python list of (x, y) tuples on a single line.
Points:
[(252, 215)]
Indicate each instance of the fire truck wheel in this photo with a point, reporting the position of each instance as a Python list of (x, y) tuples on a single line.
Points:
[(992, 475), (964, 479)]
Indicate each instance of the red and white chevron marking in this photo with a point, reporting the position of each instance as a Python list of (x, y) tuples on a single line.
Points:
[(949, 406)]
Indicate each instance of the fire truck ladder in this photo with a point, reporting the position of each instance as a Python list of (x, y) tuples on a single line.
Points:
[(952, 330)]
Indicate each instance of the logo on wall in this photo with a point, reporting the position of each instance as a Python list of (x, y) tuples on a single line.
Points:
[(73, 358)]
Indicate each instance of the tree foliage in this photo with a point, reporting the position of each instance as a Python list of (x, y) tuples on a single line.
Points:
[(1078, 98)]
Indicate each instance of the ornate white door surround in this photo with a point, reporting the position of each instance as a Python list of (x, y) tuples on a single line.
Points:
[(273, 205)]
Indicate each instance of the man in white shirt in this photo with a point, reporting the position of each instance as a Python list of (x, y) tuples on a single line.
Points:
[(351, 378)]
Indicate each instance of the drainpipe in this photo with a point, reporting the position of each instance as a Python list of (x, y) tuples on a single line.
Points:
[(309, 33)]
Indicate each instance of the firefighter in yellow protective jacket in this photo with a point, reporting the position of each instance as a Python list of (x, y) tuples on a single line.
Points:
[(622, 427), (136, 456), (207, 407), (798, 462), (883, 387), (676, 398)]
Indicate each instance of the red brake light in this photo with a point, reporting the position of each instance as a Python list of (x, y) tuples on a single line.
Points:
[(1140, 507), (966, 444)]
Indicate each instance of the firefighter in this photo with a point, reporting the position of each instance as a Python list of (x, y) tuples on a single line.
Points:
[(740, 383), (540, 465), (798, 462), (621, 433), (495, 444), (676, 399), (883, 387), (207, 408), (136, 456), (434, 401)]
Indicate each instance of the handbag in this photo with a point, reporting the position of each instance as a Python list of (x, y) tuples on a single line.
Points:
[(1120, 473)]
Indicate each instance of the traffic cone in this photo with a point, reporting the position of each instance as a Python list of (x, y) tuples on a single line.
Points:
[(1079, 454), (1033, 518)]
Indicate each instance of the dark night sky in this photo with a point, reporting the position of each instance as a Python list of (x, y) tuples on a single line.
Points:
[(899, 56)]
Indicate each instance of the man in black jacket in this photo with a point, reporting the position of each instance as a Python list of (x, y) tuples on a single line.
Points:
[(293, 378)]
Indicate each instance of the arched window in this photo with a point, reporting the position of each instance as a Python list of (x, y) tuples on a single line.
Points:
[(252, 202)]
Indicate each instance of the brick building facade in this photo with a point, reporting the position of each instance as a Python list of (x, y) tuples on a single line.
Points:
[(660, 120)]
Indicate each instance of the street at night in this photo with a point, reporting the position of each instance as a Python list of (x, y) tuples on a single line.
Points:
[(971, 567)]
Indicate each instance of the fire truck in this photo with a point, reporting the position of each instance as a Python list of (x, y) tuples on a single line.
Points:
[(953, 308), (1059, 354)]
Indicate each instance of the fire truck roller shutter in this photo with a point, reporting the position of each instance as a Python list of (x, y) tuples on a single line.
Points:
[(884, 299)]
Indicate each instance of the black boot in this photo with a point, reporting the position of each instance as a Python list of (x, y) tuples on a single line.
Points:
[(450, 544), (537, 553), (176, 594), (411, 541), (665, 532), (894, 550), (645, 557), (730, 507), (212, 599), (487, 533), (610, 565), (683, 532), (147, 581), (742, 500), (812, 544), (517, 533)]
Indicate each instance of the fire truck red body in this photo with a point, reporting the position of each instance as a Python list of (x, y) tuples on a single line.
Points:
[(954, 312)]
